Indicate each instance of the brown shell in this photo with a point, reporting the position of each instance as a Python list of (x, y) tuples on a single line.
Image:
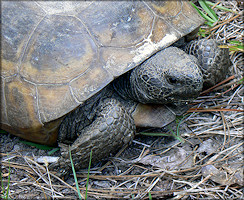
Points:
[(55, 55)]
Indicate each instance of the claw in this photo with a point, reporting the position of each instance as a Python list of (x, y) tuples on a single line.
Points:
[(60, 171)]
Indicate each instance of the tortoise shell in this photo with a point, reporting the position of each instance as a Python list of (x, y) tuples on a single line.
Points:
[(55, 55)]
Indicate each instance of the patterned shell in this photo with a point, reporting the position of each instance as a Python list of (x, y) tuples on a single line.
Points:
[(55, 55)]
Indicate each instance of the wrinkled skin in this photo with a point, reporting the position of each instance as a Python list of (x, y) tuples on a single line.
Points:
[(104, 123)]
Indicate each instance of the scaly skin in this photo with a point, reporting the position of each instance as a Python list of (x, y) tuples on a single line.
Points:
[(104, 123), (214, 61), (111, 128)]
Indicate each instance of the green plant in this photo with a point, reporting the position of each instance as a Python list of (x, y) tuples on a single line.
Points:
[(236, 46), (41, 146), (5, 194), (87, 181), (74, 173), (219, 7), (212, 20), (176, 135), (75, 177), (209, 14), (149, 196), (2, 131)]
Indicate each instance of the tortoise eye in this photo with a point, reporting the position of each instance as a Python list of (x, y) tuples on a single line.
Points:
[(172, 80)]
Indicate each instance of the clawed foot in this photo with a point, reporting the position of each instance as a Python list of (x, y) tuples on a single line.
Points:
[(213, 60), (112, 128), (63, 166)]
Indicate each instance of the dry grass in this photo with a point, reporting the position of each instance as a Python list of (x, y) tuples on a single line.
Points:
[(208, 164)]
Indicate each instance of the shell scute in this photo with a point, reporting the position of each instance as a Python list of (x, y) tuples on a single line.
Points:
[(59, 50), (18, 20), (124, 24)]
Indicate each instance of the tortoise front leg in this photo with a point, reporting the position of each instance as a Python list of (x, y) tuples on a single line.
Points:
[(213, 60), (111, 128)]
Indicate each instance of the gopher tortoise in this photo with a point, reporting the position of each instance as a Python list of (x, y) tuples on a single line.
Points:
[(84, 74)]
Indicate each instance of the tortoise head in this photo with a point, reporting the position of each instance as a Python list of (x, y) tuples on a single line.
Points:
[(169, 76)]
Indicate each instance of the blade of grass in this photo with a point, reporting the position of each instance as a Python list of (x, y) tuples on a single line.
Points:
[(162, 134), (236, 42), (5, 195), (38, 146), (175, 135), (8, 181), (53, 151), (241, 80), (74, 173), (202, 32), (220, 7), (156, 134), (2, 131), (236, 46), (211, 21), (179, 123), (2, 183), (89, 167), (149, 196), (208, 10)]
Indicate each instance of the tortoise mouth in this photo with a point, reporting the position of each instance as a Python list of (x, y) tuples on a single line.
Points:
[(179, 100), (178, 108)]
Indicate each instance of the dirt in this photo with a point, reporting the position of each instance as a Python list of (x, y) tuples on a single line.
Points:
[(146, 159)]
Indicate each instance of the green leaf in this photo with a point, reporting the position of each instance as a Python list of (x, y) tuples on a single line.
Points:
[(149, 196), (208, 10), (209, 21), (2, 131), (202, 32), (87, 180), (53, 151), (241, 81), (38, 146), (6, 193), (236, 45), (8, 180), (156, 134), (202, 14), (176, 136), (74, 173), (234, 48), (220, 7), (235, 42)]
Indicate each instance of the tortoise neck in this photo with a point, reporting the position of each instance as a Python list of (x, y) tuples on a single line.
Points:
[(124, 87), (127, 87)]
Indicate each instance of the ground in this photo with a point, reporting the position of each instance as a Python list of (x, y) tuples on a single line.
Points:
[(206, 161)]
